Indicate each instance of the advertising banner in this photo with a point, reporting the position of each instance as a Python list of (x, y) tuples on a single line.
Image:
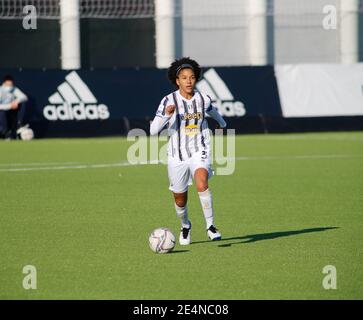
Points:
[(110, 102), (320, 90)]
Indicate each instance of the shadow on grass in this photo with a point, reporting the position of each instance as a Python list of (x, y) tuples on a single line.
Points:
[(266, 236), (178, 251)]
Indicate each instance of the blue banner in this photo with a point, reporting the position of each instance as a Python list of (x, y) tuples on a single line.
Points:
[(110, 102)]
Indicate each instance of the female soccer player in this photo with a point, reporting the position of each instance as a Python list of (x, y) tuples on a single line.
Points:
[(189, 143)]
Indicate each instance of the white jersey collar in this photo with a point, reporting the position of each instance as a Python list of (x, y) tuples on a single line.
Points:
[(181, 97)]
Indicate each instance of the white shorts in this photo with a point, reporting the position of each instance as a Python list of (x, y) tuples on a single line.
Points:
[(181, 173)]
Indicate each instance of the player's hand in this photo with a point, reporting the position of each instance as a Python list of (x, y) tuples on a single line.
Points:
[(170, 109), (218, 126), (14, 105)]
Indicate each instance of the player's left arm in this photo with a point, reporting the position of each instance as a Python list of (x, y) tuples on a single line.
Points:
[(20, 96), (213, 112)]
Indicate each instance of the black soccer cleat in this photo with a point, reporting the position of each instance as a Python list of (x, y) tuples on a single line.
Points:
[(213, 233), (184, 238)]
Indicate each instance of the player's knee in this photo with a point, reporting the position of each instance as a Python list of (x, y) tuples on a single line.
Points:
[(181, 204), (180, 200), (202, 186)]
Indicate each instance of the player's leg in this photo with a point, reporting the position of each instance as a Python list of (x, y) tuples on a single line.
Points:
[(12, 123), (3, 123), (20, 115), (181, 208), (202, 172), (201, 179), (179, 179), (20, 118)]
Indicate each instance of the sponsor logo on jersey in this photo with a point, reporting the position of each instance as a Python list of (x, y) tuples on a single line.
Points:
[(74, 101), (222, 98), (191, 130), (192, 116)]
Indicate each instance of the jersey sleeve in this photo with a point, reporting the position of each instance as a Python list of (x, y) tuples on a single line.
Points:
[(20, 96), (5, 106), (161, 118), (213, 112), (208, 104), (160, 112)]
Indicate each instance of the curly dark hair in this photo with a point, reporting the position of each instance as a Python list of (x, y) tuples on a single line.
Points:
[(177, 65), (8, 77)]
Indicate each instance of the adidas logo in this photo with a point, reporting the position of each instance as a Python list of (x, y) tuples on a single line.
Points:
[(213, 85), (74, 101)]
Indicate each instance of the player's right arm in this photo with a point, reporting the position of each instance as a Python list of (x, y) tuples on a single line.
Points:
[(5, 106), (163, 115), (8, 106)]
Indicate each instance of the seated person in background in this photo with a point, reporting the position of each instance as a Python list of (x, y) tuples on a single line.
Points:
[(12, 107)]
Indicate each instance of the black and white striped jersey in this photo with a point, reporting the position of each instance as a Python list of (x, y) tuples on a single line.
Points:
[(187, 127)]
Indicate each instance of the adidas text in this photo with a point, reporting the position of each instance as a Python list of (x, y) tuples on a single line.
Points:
[(76, 112), (230, 108), (73, 100)]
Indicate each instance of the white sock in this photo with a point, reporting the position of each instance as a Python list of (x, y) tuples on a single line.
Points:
[(207, 206), (182, 213)]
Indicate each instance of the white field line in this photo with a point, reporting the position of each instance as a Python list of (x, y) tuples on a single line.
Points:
[(38, 164), (125, 163), (268, 137), (358, 138)]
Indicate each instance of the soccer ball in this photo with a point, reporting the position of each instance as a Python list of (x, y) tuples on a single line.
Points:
[(162, 240), (25, 133)]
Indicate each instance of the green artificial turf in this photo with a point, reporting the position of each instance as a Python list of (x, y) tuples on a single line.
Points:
[(75, 211)]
